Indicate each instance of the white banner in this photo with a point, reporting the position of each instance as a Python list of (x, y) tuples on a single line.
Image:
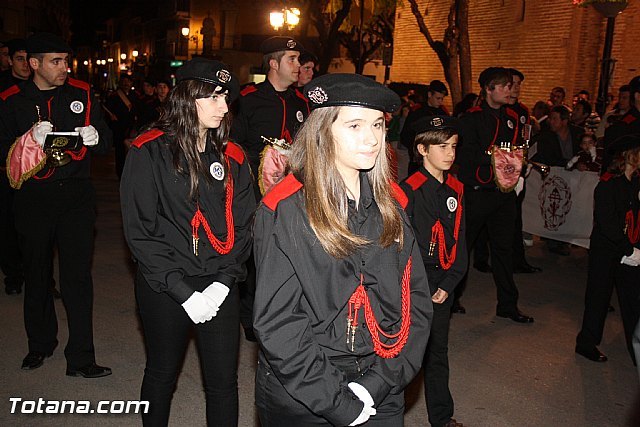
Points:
[(561, 207)]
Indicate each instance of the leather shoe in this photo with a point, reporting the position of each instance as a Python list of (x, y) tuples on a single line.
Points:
[(591, 353), (458, 308), (482, 267), (453, 423), (33, 360), (516, 316), (526, 268), (89, 371)]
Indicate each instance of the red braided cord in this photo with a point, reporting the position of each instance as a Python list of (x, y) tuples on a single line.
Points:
[(360, 298), (79, 155), (633, 230), (222, 248), (437, 232)]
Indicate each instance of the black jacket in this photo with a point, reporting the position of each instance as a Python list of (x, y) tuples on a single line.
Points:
[(157, 215), (262, 111), (429, 202), (301, 303), (483, 127), (548, 149), (69, 106)]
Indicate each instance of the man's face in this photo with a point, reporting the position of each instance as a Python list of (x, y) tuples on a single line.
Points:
[(148, 89), (578, 115), (556, 97), (19, 65), (306, 73), (624, 101), (51, 72), (288, 68), (500, 94), (435, 99), (163, 90), (125, 84), (4, 58), (515, 89), (556, 123)]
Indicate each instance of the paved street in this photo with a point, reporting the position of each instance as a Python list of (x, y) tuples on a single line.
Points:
[(502, 373)]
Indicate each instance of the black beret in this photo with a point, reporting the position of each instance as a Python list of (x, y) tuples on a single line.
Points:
[(634, 85), (280, 43), (16, 45), (491, 73), (434, 123), (47, 43), (333, 90), (624, 143), (209, 71), (438, 86)]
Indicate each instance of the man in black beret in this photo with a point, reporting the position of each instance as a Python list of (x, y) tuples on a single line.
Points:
[(54, 204), (272, 110), (486, 127), (434, 107)]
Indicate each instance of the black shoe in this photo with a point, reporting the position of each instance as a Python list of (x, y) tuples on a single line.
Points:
[(516, 316), (526, 268), (592, 353), (13, 290), (33, 360), (249, 335), (483, 267), (458, 308), (89, 371)]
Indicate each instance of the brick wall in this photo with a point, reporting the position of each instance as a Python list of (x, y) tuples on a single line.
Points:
[(556, 44)]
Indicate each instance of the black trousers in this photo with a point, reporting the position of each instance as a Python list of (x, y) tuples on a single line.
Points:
[(518, 243), (628, 290), (276, 407), (10, 257), (167, 330), (496, 211), (436, 365), (61, 214)]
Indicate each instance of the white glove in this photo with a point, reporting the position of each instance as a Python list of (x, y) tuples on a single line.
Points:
[(635, 256), (217, 292), (200, 307), (628, 261), (519, 186), (89, 135), (368, 410), (40, 130), (593, 152), (572, 162)]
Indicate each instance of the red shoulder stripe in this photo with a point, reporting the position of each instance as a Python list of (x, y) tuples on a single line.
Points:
[(304, 98), (453, 182), (628, 119), (416, 180), (79, 83), (247, 90), (282, 190), (606, 176), (235, 152), (399, 195), (146, 137), (512, 113), (9, 92), (474, 109)]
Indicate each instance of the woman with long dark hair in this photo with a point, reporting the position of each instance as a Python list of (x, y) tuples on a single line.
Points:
[(187, 203), (342, 309)]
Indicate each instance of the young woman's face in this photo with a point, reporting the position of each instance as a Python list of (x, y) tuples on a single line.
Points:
[(358, 134), (439, 157), (211, 110)]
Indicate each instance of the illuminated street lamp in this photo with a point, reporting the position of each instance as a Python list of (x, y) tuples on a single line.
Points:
[(134, 53), (185, 31), (123, 56), (289, 17)]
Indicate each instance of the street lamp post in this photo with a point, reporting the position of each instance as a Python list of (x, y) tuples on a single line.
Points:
[(286, 17)]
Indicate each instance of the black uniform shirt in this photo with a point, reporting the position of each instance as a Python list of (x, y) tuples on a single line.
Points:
[(69, 106), (482, 127), (430, 201), (301, 303), (157, 214), (614, 200), (262, 111)]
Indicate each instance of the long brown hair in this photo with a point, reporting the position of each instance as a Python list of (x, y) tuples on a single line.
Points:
[(622, 158), (313, 160), (179, 120)]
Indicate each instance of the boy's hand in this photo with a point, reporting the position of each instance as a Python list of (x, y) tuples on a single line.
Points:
[(440, 296)]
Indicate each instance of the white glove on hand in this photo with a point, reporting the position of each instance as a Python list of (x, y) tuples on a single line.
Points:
[(628, 261), (519, 186), (217, 292), (572, 162), (593, 152), (40, 130), (89, 135), (200, 307), (368, 410), (635, 256)]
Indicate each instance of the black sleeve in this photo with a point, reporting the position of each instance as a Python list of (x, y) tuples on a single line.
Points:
[(459, 268), (244, 206), (610, 223)]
